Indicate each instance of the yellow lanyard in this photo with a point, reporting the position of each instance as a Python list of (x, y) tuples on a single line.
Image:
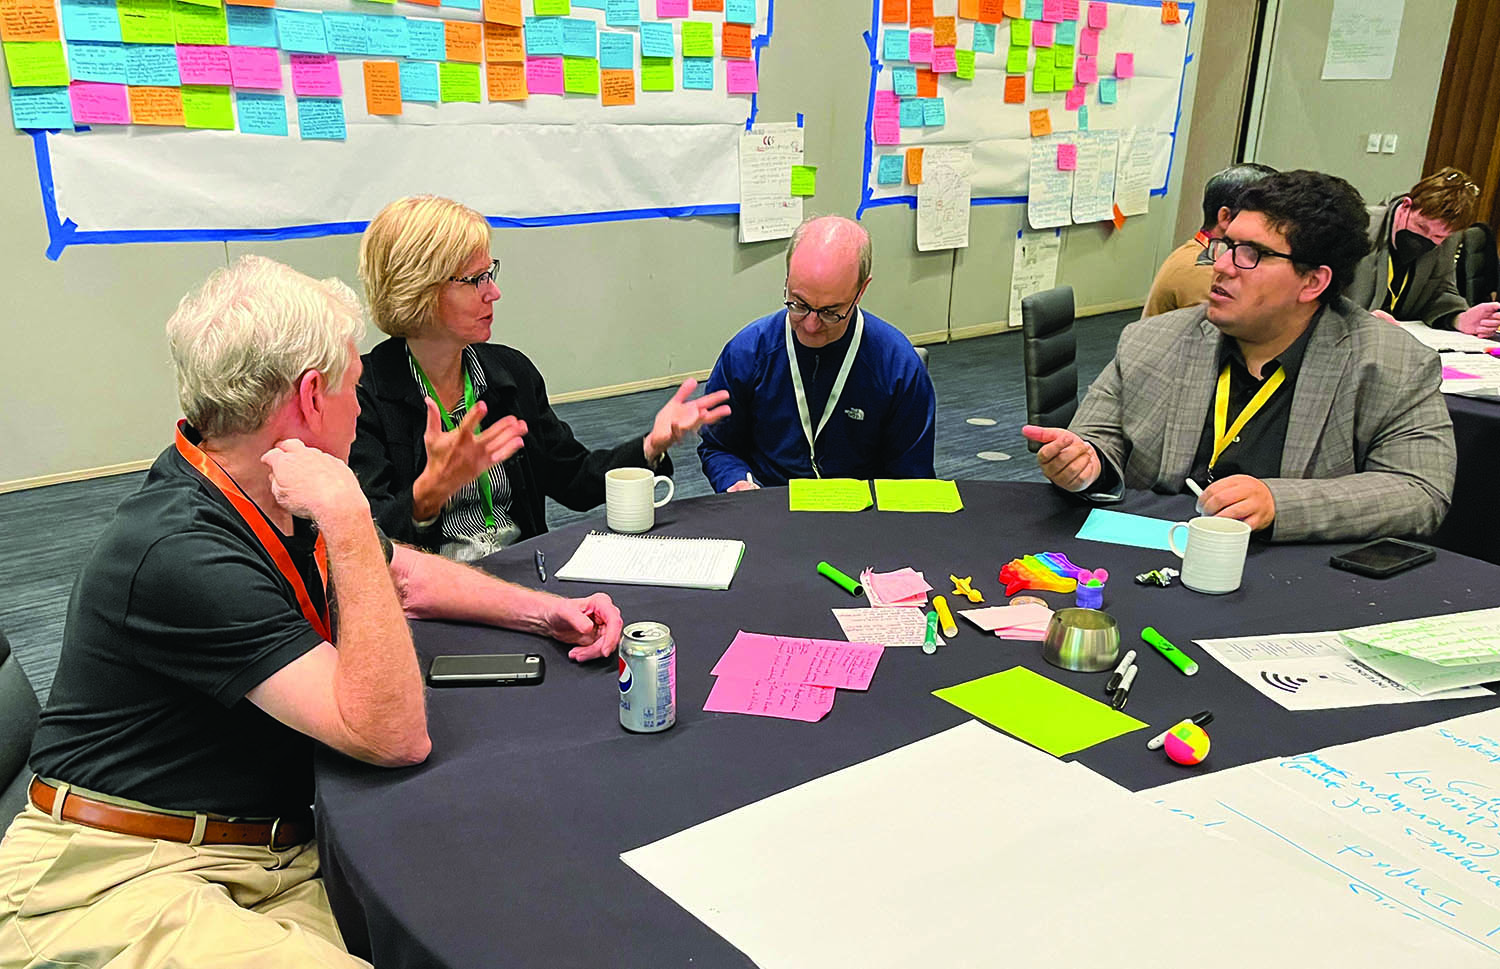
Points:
[(1221, 409), (1390, 279)]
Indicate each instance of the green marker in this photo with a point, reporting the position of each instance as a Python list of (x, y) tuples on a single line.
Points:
[(929, 642), (840, 579), (1172, 654)]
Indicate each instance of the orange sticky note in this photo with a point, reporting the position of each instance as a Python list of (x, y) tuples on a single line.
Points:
[(893, 12), (1015, 8), (709, 6), (28, 20), (944, 32), (1015, 89), (734, 41), (617, 87), (1041, 123), (914, 165), (507, 82), (991, 11), (464, 40), (926, 83), (968, 9), (921, 13), (1169, 12), (382, 87), (1119, 218), (251, 3), (503, 44), (503, 12), (427, 3), (156, 105)]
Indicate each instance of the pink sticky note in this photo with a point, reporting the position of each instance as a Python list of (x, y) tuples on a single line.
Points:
[(767, 698), (944, 60), (818, 662), (1098, 15), (1087, 70), (1067, 158), (1041, 33), (887, 131), (920, 42), (887, 105), (316, 75), (1052, 11), (1070, 9), (203, 65), (1023, 633), (97, 103), (544, 75), (897, 586), (255, 67), (740, 77), (1124, 66), (1450, 373), (1074, 99), (1088, 43), (671, 8)]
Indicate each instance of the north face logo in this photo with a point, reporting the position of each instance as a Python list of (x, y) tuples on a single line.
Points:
[(854, 414)]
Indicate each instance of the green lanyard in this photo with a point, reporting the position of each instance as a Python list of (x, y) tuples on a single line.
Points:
[(484, 478)]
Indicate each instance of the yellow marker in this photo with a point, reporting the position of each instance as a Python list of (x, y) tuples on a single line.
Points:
[(965, 587), (945, 616)]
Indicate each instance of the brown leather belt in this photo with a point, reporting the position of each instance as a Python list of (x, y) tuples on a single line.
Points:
[(279, 833)]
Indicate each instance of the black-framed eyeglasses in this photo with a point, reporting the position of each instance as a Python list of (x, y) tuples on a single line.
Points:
[(1246, 255), (479, 279), (798, 310)]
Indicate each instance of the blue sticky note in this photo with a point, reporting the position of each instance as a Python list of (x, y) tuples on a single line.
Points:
[(892, 170), (347, 33), (426, 40), (301, 30), (658, 40), (1066, 33), (580, 37), (912, 113), (93, 61), (90, 20), (622, 13), (740, 11), (904, 80), (389, 36), (1083, 117), (419, 82), (698, 73), (321, 119), (616, 51), (261, 113), (152, 64), (592, 4), (933, 112), (251, 26), (1118, 528), (1107, 91), (465, 4), (897, 45), (1034, 10), (544, 35), (984, 38), (41, 107)]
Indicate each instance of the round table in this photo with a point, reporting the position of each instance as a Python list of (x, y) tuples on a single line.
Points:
[(503, 848), (1473, 523)]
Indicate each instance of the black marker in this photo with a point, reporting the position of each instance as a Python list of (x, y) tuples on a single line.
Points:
[(1155, 743), (1122, 692)]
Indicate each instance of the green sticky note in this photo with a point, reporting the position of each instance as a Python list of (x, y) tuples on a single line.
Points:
[(146, 21), (552, 8), (193, 24), (697, 39), (1041, 81), (36, 63), (1020, 33), (1045, 714), (829, 494), (207, 106), (206, 3), (1062, 57), (1044, 59), (1017, 60), (656, 74), (581, 75), (458, 81), (804, 179), (965, 61), (917, 494)]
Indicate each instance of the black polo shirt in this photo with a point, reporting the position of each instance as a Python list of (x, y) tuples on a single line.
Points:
[(177, 614)]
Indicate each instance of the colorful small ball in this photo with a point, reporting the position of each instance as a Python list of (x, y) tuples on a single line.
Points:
[(1187, 744)]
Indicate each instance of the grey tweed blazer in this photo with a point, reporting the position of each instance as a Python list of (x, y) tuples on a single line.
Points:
[(1433, 297), (1369, 444)]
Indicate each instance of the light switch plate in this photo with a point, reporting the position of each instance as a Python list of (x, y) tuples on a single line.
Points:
[(1388, 144), (1373, 144)]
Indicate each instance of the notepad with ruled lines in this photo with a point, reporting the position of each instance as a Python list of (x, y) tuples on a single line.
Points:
[(665, 560)]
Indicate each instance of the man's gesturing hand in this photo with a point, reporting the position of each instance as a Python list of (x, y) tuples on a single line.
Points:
[(1066, 459)]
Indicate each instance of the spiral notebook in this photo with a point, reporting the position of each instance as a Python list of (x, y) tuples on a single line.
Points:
[(666, 560)]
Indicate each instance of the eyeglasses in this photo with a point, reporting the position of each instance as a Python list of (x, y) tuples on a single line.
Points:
[(1468, 183), (1246, 255), (798, 310), (479, 279)]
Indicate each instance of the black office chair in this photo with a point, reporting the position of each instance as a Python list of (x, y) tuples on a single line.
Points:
[(1051, 358), (1477, 268), (18, 717)]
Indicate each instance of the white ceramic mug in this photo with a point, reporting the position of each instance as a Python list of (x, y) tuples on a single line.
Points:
[(629, 498), (1214, 559)]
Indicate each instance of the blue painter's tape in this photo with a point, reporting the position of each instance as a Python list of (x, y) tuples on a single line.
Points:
[(799, 119)]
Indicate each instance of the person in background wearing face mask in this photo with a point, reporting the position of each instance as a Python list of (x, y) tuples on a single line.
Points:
[(1409, 273)]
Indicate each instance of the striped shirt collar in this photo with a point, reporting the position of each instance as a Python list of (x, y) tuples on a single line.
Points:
[(471, 367)]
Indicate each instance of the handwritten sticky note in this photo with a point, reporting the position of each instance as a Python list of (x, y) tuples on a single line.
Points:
[(934, 112), (926, 83), (919, 47), (204, 65), (1108, 93), (426, 40), (914, 166), (322, 119), (1087, 70), (506, 82), (1041, 33), (1044, 59), (194, 24), (261, 114), (37, 64), (984, 38), (580, 37), (921, 13), (1052, 10), (1124, 66), (904, 81), (390, 37), (911, 113), (94, 61), (1070, 9), (1169, 12), (1041, 123), (944, 60), (551, 8), (544, 35), (1066, 32), (91, 20), (348, 33), (146, 21), (503, 12), (464, 41), (458, 82), (734, 41), (944, 32), (299, 30), (818, 662), (38, 108), (917, 494), (1083, 118), (769, 698), (890, 172), (1040, 711), (581, 75), (697, 39), (156, 105), (1020, 32), (622, 13), (419, 81), (991, 11), (963, 65), (1098, 15), (705, 6), (251, 26), (888, 625), (658, 40), (671, 8), (1067, 158), (152, 64), (886, 130), (804, 180), (1063, 57), (1074, 100), (503, 44), (29, 20), (207, 106), (1088, 43), (897, 45), (697, 73), (656, 74), (906, 586), (316, 75), (1017, 60), (741, 77), (544, 75), (838, 494), (1015, 89), (739, 11), (1041, 79), (382, 87), (617, 51), (893, 11), (617, 88), (1119, 528)]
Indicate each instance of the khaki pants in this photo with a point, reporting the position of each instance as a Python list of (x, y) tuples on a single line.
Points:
[(76, 896)]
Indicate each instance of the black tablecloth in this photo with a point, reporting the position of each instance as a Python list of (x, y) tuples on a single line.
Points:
[(502, 850), (1473, 523)]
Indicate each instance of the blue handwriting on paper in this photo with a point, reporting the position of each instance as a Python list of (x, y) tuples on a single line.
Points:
[(658, 40), (617, 51), (698, 73), (321, 119), (97, 62), (251, 26), (426, 40), (90, 20), (892, 170), (419, 81), (897, 45), (347, 33), (302, 31), (261, 114), (580, 37), (41, 107), (390, 36)]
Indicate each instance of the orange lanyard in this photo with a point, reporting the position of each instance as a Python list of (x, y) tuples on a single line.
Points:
[(269, 539)]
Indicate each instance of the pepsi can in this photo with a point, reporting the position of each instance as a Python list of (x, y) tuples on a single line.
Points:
[(648, 678)]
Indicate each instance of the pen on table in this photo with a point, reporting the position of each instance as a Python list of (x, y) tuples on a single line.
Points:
[(1197, 490), (1201, 719), (1122, 692), (1169, 652), (541, 565), (1118, 675)]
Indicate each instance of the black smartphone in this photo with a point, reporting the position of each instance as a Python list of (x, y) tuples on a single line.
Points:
[(1383, 558), (493, 669)]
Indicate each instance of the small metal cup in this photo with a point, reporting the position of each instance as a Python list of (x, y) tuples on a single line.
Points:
[(1082, 640)]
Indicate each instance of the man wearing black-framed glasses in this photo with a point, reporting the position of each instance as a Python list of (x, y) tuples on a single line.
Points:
[(820, 388), (1303, 415)]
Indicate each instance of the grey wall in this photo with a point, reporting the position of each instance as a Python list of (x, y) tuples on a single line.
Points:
[(85, 384)]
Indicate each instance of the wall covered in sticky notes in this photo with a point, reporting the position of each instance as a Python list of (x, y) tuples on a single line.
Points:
[(591, 109)]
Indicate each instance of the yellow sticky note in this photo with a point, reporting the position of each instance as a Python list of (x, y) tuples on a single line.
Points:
[(917, 494), (804, 179), (207, 106), (828, 494), (458, 81), (36, 63)]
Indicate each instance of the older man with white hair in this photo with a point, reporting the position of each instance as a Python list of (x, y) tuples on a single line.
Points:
[(241, 607), (820, 388)]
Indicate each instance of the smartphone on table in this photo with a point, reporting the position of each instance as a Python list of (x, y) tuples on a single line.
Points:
[(491, 669)]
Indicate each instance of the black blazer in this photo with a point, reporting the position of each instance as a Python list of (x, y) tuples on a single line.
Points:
[(388, 453)]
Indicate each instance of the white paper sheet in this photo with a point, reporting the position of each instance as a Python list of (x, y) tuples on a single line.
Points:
[(1362, 39), (1438, 339), (943, 197), (1049, 199), (1456, 639), (768, 209), (1033, 267), (1481, 374), (1094, 181), (1133, 170), (898, 626)]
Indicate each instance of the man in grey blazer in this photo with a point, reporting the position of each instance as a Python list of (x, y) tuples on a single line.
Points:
[(1408, 274), (1305, 416)]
